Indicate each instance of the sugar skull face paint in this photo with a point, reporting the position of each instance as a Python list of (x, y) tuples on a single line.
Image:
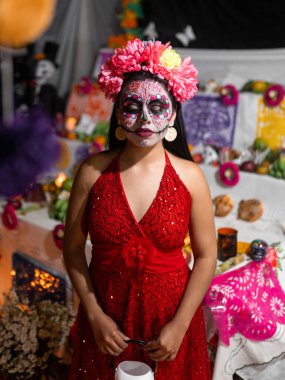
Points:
[(144, 111)]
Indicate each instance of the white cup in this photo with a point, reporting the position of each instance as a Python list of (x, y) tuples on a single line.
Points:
[(131, 370)]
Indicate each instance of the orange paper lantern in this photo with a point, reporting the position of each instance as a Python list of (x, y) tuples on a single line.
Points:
[(23, 21)]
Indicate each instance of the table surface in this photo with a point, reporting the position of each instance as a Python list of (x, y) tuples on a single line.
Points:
[(270, 191)]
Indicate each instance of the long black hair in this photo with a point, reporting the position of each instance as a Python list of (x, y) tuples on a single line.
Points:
[(179, 147)]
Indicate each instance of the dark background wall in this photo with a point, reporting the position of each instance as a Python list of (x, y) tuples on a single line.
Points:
[(219, 24)]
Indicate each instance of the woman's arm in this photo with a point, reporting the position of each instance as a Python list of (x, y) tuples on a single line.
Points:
[(106, 333), (203, 242)]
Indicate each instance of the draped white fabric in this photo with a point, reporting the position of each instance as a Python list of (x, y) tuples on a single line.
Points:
[(238, 66), (80, 28)]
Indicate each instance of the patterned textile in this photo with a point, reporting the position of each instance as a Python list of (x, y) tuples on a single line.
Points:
[(209, 122), (248, 300)]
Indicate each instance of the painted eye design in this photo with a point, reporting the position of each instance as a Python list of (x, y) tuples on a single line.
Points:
[(131, 107), (157, 107)]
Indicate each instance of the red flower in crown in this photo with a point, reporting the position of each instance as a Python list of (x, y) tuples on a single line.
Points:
[(153, 56), (138, 252)]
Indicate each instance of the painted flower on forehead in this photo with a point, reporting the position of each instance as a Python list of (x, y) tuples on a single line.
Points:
[(157, 58)]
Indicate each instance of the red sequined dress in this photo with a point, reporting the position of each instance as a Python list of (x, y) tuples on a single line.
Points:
[(140, 275)]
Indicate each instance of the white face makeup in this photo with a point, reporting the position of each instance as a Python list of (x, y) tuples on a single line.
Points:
[(144, 112), (44, 71)]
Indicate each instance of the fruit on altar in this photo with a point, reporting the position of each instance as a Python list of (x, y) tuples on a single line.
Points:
[(247, 86), (198, 158), (259, 86), (263, 168), (259, 144), (59, 207), (67, 184), (272, 155), (248, 166), (278, 168), (101, 139)]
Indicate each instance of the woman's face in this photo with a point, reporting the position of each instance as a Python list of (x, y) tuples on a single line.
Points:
[(144, 112)]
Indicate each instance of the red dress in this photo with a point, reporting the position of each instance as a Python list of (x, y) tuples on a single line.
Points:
[(140, 275)]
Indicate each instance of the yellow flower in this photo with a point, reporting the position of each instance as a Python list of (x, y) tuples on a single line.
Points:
[(170, 59)]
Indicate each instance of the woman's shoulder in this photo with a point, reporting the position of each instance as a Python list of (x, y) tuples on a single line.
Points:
[(92, 167), (188, 171), (100, 161)]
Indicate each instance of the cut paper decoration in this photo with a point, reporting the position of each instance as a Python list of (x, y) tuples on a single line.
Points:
[(271, 123), (209, 122), (249, 301), (94, 104)]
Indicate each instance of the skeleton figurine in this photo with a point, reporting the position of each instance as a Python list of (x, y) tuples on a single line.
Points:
[(43, 92)]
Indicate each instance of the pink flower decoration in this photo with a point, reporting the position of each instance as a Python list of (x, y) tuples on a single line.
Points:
[(274, 95), (9, 217), (146, 55), (229, 95), (58, 234), (229, 173), (85, 86)]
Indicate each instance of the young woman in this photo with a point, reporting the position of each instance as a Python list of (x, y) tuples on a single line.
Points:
[(137, 201)]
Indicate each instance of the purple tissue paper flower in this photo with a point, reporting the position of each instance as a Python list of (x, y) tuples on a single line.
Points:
[(28, 147)]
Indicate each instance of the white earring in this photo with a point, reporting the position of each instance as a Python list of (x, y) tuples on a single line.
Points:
[(171, 133)]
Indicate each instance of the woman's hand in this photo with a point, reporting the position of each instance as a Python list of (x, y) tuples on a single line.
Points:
[(167, 345), (107, 335)]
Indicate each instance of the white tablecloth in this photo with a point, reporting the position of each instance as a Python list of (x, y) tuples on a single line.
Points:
[(270, 191)]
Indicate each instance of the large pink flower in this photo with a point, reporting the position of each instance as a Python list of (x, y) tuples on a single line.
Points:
[(184, 81), (156, 50), (139, 55), (109, 81), (130, 58)]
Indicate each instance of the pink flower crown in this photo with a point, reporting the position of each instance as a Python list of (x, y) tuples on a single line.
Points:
[(155, 57)]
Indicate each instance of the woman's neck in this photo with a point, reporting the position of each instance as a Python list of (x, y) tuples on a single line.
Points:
[(132, 154)]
